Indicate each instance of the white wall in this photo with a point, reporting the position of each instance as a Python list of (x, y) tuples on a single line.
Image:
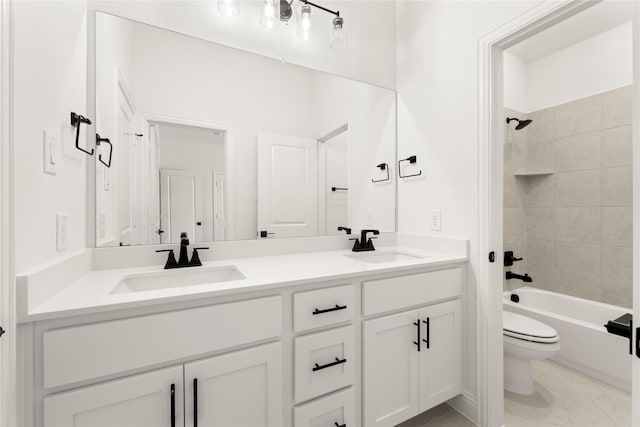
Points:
[(49, 71), (369, 56), (437, 121), (592, 66)]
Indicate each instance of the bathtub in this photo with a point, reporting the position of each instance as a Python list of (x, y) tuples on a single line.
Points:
[(585, 344)]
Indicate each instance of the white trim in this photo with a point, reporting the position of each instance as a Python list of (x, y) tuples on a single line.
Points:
[(229, 167), (635, 373), (490, 169), (8, 368)]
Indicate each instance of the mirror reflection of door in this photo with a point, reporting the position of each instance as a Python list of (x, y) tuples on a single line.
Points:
[(190, 162), (127, 144), (287, 186), (335, 186)]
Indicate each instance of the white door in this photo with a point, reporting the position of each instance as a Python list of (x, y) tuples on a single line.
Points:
[(240, 389), (441, 362), (391, 369), (138, 401), (180, 205), (153, 186), (287, 185), (336, 163), (124, 150), (219, 219)]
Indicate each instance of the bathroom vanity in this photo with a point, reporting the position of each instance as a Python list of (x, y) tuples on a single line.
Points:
[(320, 338)]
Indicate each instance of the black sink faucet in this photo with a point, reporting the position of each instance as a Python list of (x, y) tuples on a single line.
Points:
[(183, 260), (526, 278), (365, 244)]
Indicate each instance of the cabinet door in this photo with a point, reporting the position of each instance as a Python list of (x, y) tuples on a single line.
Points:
[(390, 372), (441, 362), (137, 401), (242, 388)]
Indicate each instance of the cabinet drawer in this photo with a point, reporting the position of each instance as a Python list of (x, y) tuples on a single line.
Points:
[(324, 362), (322, 307), (412, 290), (336, 409), (90, 351)]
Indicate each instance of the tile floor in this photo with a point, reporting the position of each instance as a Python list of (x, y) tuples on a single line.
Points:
[(563, 397)]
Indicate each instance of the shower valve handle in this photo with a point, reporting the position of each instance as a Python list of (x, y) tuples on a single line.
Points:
[(509, 259)]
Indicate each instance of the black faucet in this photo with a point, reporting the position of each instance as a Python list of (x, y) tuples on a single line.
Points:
[(183, 260), (363, 244), (345, 229), (526, 278)]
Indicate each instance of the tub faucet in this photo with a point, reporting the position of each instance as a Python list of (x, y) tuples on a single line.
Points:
[(526, 278)]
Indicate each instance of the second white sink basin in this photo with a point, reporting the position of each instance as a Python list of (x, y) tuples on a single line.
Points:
[(177, 278), (376, 257)]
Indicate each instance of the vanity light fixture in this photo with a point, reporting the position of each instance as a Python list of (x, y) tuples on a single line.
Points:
[(283, 9)]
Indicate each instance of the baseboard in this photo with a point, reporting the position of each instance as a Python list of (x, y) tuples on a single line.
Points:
[(467, 405)]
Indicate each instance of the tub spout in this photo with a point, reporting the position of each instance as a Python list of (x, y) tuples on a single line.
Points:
[(526, 278)]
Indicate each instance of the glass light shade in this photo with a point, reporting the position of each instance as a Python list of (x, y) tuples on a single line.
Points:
[(338, 34), (304, 22), (229, 8), (269, 13)]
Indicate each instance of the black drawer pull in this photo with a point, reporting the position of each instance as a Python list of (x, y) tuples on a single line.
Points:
[(173, 405), (417, 324), (427, 340), (195, 402), (328, 365), (638, 343), (340, 425), (327, 310)]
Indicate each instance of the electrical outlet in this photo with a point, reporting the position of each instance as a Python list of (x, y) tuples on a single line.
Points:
[(103, 225), (62, 229), (50, 152), (435, 220)]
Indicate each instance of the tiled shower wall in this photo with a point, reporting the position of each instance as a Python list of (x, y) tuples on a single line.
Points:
[(572, 222)]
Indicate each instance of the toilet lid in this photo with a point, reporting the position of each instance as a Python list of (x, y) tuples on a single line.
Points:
[(525, 328)]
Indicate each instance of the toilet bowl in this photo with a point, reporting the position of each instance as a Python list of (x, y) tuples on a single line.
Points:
[(525, 339)]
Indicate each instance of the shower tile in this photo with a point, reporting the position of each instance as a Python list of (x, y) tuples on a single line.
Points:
[(578, 224), (518, 157), (617, 186), (582, 188), (617, 269), (577, 268), (513, 224), (616, 146), (580, 116), (617, 226), (542, 127), (616, 107), (539, 156), (539, 223), (537, 191), (539, 257), (511, 197), (578, 152)]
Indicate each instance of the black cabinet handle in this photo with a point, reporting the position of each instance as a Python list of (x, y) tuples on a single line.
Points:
[(195, 402), (638, 343), (340, 425), (417, 324), (328, 365), (173, 405), (327, 310), (428, 332)]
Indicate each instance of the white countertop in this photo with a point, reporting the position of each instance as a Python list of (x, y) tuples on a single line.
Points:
[(92, 292)]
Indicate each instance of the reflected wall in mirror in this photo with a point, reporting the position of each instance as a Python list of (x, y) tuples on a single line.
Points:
[(227, 145)]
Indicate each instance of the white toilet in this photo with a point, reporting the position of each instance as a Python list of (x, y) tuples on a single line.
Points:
[(525, 339)]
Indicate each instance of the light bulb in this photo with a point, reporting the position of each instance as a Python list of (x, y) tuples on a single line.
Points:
[(229, 8), (338, 34), (304, 22), (269, 12)]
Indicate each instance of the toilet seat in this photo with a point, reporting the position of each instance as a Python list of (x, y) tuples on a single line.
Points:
[(527, 329)]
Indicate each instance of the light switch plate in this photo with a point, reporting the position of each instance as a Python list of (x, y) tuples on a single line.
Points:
[(50, 153), (62, 229), (435, 220)]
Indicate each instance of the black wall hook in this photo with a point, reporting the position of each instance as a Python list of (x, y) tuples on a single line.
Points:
[(383, 167), (99, 141), (76, 121), (411, 160), (339, 189)]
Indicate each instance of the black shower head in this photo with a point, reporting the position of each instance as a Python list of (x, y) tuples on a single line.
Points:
[(521, 123)]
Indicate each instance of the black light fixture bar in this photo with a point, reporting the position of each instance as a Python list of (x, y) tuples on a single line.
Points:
[(336, 13)]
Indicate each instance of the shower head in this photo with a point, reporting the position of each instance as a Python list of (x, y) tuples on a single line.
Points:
[(521, 123)]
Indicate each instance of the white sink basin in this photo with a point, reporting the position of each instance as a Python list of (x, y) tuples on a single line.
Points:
[(379, 257), (177, 278)]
